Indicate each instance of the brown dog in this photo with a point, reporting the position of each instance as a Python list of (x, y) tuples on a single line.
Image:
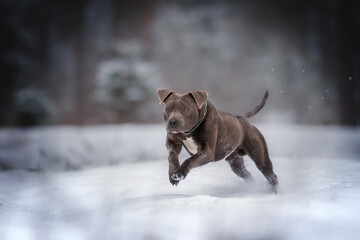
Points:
[(210, 135)]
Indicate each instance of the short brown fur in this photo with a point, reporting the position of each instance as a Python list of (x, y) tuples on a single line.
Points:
[(217, 135)]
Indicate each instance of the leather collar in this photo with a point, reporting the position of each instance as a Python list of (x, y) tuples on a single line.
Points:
[(198, 124)]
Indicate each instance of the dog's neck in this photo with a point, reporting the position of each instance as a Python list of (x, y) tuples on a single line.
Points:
[(200, 121)]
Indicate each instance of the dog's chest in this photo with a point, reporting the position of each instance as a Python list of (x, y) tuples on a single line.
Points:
[(190, 145)]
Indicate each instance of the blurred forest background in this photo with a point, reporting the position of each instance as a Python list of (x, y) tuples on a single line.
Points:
[(100, 61)]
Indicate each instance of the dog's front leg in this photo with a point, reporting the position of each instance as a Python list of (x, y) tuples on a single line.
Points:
[(174, 150), (204, 156)]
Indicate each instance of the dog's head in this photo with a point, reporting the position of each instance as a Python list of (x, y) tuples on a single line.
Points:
[(181, 111)]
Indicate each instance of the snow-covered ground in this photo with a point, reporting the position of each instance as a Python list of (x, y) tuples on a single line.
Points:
[(117, 187)]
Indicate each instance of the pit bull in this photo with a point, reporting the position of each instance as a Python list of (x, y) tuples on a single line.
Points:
[(209, 134)]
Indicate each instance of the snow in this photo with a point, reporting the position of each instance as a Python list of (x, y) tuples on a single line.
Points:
[(121, 190), (71, 148)]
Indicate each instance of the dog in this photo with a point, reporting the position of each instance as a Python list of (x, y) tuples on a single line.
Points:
[(209, 134)]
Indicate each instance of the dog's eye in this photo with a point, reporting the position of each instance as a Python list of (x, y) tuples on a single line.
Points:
[(167, 110), (185, 109)]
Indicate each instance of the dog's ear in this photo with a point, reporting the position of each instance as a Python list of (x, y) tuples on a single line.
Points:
[(200, 97), (163, 94)]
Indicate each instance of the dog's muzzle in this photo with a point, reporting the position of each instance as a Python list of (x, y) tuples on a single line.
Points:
[(173, 123)]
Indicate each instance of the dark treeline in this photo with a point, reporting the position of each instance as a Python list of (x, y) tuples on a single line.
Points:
[(100, 61)]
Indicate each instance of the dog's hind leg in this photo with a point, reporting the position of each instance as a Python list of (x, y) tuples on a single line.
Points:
[(236, 163), (255, 147)]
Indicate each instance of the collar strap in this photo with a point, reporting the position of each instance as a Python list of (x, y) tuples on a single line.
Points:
[(198, 124)]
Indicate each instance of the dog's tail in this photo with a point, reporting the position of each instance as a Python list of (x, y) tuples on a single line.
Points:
[(258, 107)]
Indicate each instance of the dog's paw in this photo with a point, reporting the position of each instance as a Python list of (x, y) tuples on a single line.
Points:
[(178, 176), (173, 182)]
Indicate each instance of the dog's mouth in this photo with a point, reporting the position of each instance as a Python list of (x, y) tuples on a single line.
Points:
[(179, 129), (173, 131)]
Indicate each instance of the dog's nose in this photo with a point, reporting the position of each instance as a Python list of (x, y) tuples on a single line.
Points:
[(173, 123)]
